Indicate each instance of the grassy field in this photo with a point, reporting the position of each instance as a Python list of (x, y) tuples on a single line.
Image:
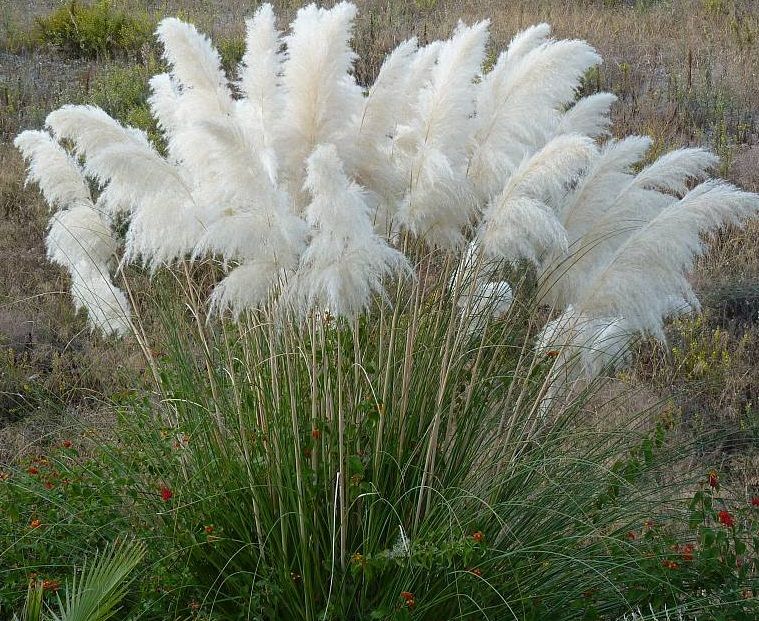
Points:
[(686, 73)]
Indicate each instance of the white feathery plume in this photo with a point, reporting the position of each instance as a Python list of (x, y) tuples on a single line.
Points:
[(612, 205), (255, 223), (672, 170), (521, 222), (524, 42), (202, 95), (580, 212), (589, 116), (58, 174), (320, 92), (518, 107), (78, 238), (582, 347), (114, 154), (246, 287), (165, 223), (489, 299), (439, 202), (346, 261), (257, 113), (608, 174), (649, 270), (79, 235), (417, 78), (369, 158), (106, 305), (164, 104), (196, 66)]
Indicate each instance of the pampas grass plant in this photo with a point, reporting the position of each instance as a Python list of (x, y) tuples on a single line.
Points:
[(381, 408)]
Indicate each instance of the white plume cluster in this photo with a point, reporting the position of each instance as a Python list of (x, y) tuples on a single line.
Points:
[(79, 238), (303, 182)]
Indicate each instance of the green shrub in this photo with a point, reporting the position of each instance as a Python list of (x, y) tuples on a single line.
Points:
[(61, 506), (122, 91), (96, 30)]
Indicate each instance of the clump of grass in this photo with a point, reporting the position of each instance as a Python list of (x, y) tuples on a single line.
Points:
[(313, 461), (97, 30)]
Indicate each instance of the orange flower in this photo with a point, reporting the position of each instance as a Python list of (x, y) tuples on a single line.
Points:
[(687, 552), (631, 535), (478, 536), (670, 564), (32, 470), (208, 529), (476, 571), (49, 485), (51, 585), (35, 523), (407, 595), (552, 353), (315, 433)]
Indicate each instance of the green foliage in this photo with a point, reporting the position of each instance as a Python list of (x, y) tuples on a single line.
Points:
[(96, 594), (243, 461), (231, 50), (122, 91), (96, 30)]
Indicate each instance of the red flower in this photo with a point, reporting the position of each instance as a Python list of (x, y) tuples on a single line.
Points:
[(166, 493), (478, 536), (49, 485), (670, 564), (35, 523), (687, 552), (631, 535), (32, 470), (726, 518), (755, 501), (409, 598), (552, 353), (713, 479), (51, 585), (67, 444), (315, 433), (208, 529)]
